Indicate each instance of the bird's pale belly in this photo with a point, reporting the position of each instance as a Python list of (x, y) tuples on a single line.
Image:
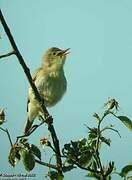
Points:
[(54, 90)]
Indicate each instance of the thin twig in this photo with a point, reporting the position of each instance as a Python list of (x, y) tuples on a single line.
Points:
[(80, 166), (86, 168), (7, 55), (56, 145), (50, 160), (46, 164), (32, 130), (8, 134)]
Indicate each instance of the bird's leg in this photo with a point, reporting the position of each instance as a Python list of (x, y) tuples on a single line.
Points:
[(49, 120), (46, 118)]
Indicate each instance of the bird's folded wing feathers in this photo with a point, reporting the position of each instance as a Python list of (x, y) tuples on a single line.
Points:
[(34, 76), (36, 73)]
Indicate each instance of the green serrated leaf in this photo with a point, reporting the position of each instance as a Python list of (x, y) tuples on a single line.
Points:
[(109, 169), (93, 133), (126, 121), (82, 142), (28, 159), (74, 149), (67, 146), (74, 145), (85, 158), (106, 141), (125, 170), (36, 151)]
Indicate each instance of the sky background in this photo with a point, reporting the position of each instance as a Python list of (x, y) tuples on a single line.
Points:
[(99, 33)]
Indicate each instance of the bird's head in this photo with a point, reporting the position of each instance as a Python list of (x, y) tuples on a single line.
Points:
[(55, 58)]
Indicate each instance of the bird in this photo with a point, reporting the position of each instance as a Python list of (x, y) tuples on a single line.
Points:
[(50, 81)]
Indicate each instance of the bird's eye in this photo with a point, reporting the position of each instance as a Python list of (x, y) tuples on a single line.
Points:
[(54, 53)]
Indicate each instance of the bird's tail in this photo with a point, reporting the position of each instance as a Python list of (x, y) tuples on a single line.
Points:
[(28, 126)]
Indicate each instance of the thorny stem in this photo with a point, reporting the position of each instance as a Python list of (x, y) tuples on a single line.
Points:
[(37, 95), (56, 145)]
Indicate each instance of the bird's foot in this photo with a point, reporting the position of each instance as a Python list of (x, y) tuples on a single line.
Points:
[(49, 120)]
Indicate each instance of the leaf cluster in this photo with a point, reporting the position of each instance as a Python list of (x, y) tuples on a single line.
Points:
[(26, 152)]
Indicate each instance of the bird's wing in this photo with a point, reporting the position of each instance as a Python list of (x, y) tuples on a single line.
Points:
[(34, 76), (36, 73)]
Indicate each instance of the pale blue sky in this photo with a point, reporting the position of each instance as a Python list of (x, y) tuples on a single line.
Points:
[(99, 33)]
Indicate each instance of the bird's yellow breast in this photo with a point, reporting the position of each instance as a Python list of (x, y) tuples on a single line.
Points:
[(54, 89)]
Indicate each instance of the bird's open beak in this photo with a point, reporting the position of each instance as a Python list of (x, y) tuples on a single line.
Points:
[(66, 51)]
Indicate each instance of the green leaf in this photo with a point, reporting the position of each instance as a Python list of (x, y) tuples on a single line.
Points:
[(126, 121), (110, 168), (125, 170), (93, 133), (85, 158), (82, 142), (28, 159), (36, 151), (67, 146), (18, 156), (11, 157), (74, 145), (14, 155), (74, 149), (106, 141)]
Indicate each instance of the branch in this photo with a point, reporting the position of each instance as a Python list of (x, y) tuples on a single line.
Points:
[(46, 164), (56, 145), (7, 55), (75, 161), (37, 95), (32, 130), (86, 168), (8, 134)]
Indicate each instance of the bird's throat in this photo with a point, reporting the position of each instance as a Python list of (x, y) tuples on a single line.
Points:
[(56, 73)]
